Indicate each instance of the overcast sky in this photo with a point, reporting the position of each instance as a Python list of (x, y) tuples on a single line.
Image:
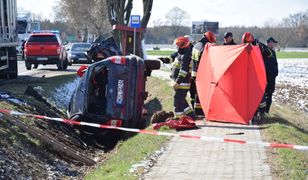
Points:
[(227, 12)]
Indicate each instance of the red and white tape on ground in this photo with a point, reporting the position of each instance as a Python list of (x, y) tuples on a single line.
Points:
[(157, 133)]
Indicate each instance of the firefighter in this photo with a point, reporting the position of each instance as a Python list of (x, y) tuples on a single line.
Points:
[(173, 59), (181, 75), (228, 39), (208, 37)]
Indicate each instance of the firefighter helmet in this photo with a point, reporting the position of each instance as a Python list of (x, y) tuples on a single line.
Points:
[(182, 42), (210, 36), (247, 37)]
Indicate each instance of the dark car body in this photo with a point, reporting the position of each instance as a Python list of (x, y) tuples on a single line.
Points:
[(112, 92), (45, 48), (76, 53)]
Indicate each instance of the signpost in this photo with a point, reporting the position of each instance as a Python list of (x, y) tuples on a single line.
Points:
[(135, 23)]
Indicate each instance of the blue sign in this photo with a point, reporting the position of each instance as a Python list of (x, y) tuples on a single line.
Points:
[(135, 21)]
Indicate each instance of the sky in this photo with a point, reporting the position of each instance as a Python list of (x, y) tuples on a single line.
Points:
[(226, 12)]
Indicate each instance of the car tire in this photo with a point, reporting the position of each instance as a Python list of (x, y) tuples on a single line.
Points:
[(13, 63), (35, 66), (28, 65), (65, 64), (60, 65)]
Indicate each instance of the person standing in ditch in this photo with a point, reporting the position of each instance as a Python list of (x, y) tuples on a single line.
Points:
[(181, 76), (208, 37)]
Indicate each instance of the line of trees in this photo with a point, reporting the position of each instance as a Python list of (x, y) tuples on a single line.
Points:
[(292, 31), (83, 17), (97, 17)]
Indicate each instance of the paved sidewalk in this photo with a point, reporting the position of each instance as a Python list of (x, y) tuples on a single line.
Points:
[(197, 159)]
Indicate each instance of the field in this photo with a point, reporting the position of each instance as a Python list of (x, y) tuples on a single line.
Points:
[(280, 54)]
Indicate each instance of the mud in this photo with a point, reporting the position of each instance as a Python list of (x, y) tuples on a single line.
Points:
[(292, 84), (161, 116)]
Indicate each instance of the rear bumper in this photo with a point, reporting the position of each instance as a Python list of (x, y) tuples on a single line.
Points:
[(42, 59)]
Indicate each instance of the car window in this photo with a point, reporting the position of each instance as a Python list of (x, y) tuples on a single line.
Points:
[(80, 47), (43, 38)]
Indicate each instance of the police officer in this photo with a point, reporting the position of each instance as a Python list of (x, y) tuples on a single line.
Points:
[(228, 39), (271, 66), (181, 75), (208, 37)]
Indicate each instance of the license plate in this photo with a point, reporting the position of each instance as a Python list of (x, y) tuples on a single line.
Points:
[(120, 92), (42, 58), (82, 59)]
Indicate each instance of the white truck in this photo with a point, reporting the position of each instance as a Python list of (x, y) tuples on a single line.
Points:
[(8, 39), (25, 26)]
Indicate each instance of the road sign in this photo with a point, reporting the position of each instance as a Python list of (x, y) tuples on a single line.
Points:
[(135, 21)]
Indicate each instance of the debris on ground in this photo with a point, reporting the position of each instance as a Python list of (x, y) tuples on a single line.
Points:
[(163, 118), (145, 165)]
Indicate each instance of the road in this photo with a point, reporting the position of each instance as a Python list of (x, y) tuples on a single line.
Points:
[(49, 70)]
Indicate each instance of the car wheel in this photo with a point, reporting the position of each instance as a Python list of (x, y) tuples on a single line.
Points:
[(65, 64), (13, 63), (35, 66), (60, 65), (28, 66)]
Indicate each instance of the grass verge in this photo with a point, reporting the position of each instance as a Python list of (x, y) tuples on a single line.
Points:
[(160, 52), (135, 149), (280, 54), (287, 126)]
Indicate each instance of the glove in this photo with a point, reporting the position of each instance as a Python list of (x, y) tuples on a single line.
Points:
[(176, 86), (163, 59)]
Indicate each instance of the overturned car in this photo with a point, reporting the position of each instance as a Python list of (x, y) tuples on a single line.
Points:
[(112, 92)]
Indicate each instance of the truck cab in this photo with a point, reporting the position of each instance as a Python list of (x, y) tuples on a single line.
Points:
[(8, 39)]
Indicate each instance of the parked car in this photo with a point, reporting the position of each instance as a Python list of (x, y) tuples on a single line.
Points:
[(112, 92), (76, 53), (45, 48)]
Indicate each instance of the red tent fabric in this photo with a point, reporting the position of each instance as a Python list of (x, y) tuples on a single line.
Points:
[(231, 81)]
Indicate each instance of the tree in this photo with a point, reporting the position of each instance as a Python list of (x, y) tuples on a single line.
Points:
[(119, 11), (85, 15), (299, 24), (98, 16), (177, 18)]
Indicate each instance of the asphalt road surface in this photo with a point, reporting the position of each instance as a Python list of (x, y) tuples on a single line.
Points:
[(48, 69)]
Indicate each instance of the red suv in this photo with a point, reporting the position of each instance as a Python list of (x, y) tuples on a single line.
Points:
[(45, 48)]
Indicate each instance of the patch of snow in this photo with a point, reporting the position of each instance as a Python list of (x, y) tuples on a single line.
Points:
[(145, 165)]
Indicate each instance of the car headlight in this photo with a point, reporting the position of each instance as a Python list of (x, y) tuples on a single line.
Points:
[(72, 56)]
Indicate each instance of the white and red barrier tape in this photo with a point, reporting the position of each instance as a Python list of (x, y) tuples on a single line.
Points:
[(157, 133)]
